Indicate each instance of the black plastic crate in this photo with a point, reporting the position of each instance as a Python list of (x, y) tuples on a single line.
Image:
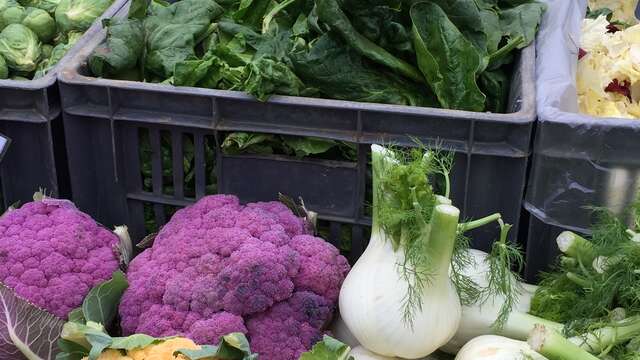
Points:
[(30, 115), (104, 118)]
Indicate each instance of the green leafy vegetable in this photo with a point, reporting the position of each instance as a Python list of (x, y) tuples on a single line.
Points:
[(78, 15), (20, 48), (41, 23), (4, 69), (101, 304), (123, 49), (231, 347), (447, 59)]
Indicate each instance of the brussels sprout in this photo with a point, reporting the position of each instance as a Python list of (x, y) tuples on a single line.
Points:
[(46, 51), (4, 4), (12, 15), (41, 23), (20, 47), (46, 5), (4, 70), (79, 14)]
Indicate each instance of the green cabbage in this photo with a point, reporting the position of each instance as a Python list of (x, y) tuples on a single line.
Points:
[(41, 23), (4, 70), (4, 4), (79, 14), (46, 5), (12, 15), (46, 50), (20, 48)]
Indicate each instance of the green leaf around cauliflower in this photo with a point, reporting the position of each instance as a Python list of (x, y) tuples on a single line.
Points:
[(20, 48), (234, 346), (328, 349), (121, 51)]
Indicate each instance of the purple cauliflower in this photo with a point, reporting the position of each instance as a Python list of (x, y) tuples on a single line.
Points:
[(219, 267), (52, 254)]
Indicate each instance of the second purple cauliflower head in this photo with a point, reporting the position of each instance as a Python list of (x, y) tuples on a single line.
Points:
[(219, 267)]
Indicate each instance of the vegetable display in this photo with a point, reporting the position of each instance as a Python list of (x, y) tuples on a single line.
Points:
[(606, 79), (419, 53), (35, 35), (51, 255), (220, 267)]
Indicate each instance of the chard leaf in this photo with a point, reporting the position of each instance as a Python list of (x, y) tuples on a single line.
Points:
[(101, 304), (26, 331), (328, 349), (447, 59)]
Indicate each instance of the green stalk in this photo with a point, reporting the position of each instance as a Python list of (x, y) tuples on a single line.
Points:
[(442, 236), (578, 280), (553, 346), (511, 45), (600, 340), (577, 247), (267, 19), (464, 227), (380, 159), (519, 325)]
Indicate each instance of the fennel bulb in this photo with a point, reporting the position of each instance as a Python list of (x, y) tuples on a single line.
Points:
[(492, 347), (398, 299)]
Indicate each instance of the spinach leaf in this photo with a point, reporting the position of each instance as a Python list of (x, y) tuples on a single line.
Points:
[(447, 59), (495, 84), (251, 12), (172, 32), (249, 143), (122, 49), (266, 76), (466, 16), (330, 13), (522, 20), (356, 80), (138, 9), (210, 72)]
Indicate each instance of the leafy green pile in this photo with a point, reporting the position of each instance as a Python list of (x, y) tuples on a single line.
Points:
[(36, 34), (597, 281), (452, 54), (298, 146)]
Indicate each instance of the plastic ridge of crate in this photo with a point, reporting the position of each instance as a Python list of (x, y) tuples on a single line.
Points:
[(104, 117), (30, 115)]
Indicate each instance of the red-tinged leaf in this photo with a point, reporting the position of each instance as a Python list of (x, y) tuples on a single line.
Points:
[(26, 331), (621, 88), (581, 53), (612, 28)]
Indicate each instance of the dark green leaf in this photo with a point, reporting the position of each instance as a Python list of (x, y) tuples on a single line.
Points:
[(251, 12), (357, 80), (522, 20), (172, 33), (447, 59), (101, 304), (249, 143), (266, 76), (330, 13), (496, 85), (121, 50), (138, 9), (466, 16), (305, 146)]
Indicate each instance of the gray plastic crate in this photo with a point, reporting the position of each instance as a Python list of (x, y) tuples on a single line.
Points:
[(104, 117), (30, 115)]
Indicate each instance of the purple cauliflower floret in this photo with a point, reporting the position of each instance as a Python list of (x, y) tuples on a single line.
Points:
[(219, 267), (290, 328), (52, 254)]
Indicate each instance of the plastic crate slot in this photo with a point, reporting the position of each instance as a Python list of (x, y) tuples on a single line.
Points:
[(178, 163)]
